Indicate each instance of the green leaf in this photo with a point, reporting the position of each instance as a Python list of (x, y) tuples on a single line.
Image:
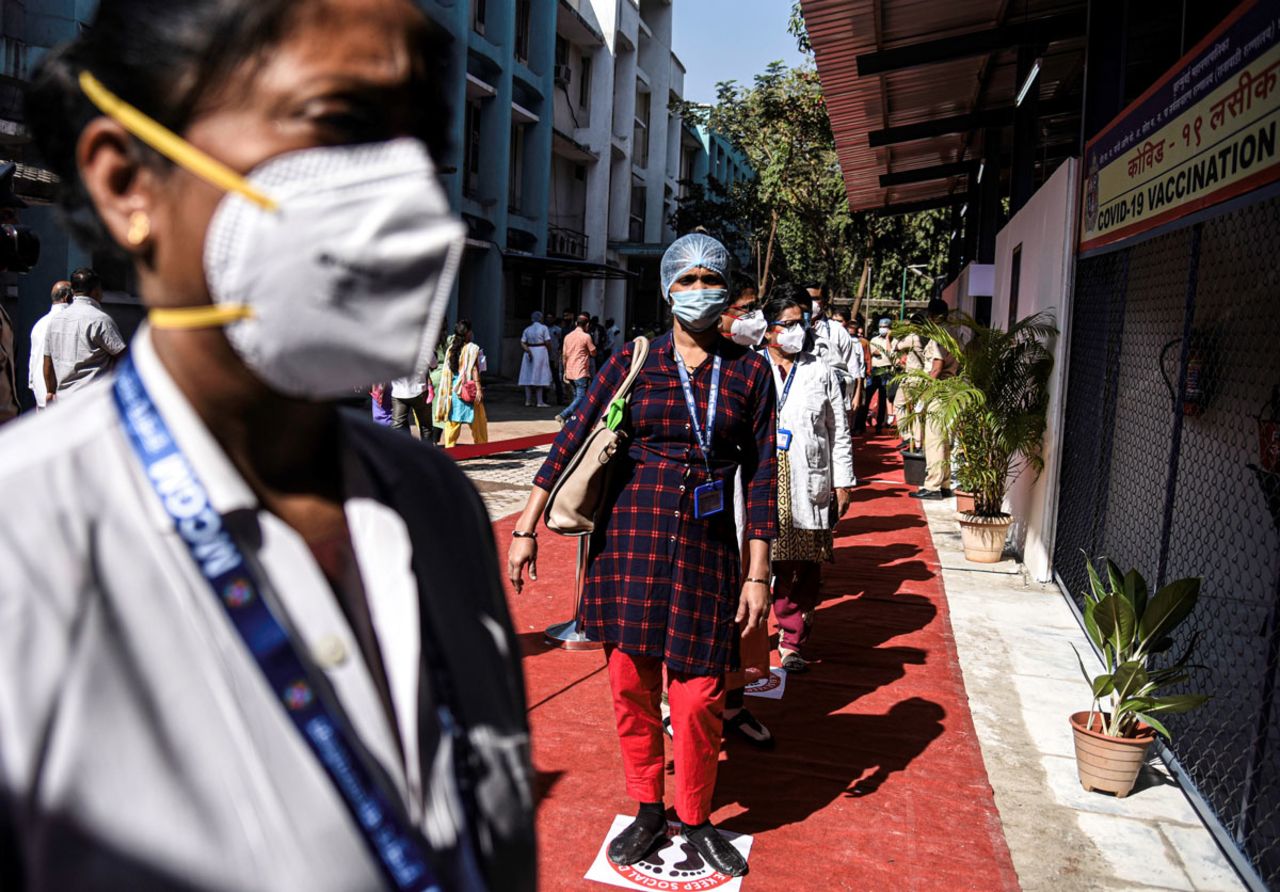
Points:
[(1156, 725), (1135, 590), (1170, 606), (1116, 623), (1095, 584), (1129, 678), (1115, 577), (1177, 703), (1091, 625)]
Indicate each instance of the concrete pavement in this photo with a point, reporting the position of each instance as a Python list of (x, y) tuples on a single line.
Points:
[(1014, 640)]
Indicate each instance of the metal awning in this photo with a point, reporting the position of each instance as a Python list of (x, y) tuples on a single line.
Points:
[(563, 267), (911, 86)]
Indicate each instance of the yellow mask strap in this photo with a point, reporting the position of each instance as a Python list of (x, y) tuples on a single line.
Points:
[(169, 144), (205, 316)]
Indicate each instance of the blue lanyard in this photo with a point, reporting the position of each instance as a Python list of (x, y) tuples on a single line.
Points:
[(786, 389), (703, 435), (394, 845)]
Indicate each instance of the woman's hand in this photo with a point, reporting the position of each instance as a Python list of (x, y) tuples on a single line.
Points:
[(844, 498), (753, 606), (523, 551)]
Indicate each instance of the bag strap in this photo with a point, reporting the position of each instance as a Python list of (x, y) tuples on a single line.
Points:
[(617, 405)]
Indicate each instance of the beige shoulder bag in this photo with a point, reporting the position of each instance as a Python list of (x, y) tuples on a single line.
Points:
[(579, 493)]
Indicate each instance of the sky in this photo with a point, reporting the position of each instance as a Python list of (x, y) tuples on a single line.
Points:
[(721, 40)]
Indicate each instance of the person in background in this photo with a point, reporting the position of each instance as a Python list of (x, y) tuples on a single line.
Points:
[(815, 472), (664, 581), (578, 350), (882, 368), (613, 335), (380, 404), (82, 342), (831, 343), (535, 365), (937, 445), (857, 381), (60, 298), (460, 399), (910, 352), (555, 357), (863, 405), (742, 322), (411, 402), (244, 648)]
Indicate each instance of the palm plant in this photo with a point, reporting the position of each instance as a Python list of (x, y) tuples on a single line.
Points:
[(994, 408), (1129, 628)]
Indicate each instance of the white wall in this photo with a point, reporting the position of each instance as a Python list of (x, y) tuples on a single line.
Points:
[(1046, 230)]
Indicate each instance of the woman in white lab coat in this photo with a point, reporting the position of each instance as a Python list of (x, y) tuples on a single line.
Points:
[(815, 471), (535, 365)]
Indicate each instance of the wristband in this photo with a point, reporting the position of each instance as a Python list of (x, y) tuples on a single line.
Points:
[(520, 534), (763, 582)]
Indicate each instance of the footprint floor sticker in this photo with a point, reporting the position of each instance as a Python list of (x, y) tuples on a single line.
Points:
[(771, 687), (675, 865)]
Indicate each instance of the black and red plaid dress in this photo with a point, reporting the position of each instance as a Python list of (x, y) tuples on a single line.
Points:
[(660, 582)]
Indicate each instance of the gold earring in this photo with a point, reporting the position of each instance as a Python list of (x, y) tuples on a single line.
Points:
[(139, 228)]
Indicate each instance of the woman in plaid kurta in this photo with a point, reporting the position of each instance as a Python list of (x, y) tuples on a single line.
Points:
[(659, 582), (663, 586)]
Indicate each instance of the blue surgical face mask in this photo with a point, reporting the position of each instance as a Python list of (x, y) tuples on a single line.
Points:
[(698, 309)]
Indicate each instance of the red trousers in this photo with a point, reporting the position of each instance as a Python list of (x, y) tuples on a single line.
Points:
[(697, 714)]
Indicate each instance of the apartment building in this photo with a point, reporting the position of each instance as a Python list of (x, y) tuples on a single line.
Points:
[(567, 157)]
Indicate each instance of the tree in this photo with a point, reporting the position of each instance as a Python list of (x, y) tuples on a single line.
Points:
[(795, 217)]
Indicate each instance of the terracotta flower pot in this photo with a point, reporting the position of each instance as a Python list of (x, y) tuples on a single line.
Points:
[(983, 537), (964, 502), (1108, 763)]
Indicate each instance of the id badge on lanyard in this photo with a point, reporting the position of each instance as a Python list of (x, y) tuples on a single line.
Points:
[(784, 435), (708, 499)]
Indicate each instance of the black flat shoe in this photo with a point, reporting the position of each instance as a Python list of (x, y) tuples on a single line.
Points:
[(748, 727), (715, 850), (930, 494), (634, 842)]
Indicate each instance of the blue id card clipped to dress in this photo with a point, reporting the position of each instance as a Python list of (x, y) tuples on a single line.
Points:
[(708, 499), (784, 439)]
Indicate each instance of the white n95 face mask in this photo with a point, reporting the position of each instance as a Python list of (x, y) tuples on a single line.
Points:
[(329, 267), (748, 329), (791, 339), (346, 281)]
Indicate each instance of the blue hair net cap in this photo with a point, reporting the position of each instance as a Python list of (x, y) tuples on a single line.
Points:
[(690, 252)]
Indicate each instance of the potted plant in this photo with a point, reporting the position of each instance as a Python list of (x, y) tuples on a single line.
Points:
[(994, 410), (1129, 628)]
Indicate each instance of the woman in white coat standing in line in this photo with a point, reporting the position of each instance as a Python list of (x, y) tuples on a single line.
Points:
[(815, 469), (535, 367)]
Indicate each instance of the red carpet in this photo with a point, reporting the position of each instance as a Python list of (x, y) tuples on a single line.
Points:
[(877, 781)]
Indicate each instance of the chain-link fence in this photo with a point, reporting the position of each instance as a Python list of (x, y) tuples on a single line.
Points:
[(1170, 465)]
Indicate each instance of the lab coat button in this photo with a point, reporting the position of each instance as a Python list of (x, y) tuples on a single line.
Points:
[(329, 652)]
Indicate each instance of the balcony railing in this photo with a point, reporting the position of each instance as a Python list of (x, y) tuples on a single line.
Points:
[(13, 58), (565, 242)]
